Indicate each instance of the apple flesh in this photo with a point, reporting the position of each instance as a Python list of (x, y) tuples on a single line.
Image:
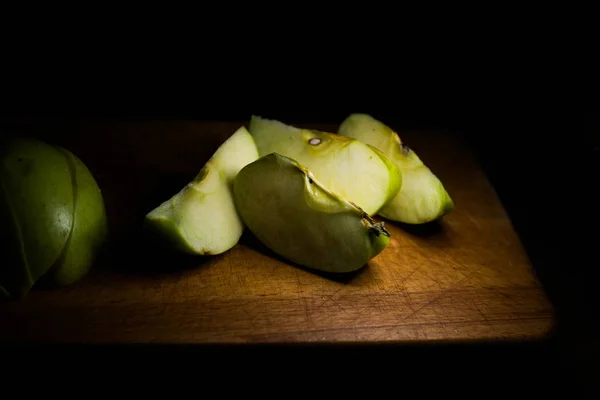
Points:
[(422, 197), (296, 216), (346, 166), (202, 219)]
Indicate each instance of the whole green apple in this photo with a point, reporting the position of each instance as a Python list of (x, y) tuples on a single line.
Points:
[(52, 216)]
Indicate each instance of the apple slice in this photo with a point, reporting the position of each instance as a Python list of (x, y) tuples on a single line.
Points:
[(201, 218), (346, 166), (422, 197), (297, 217)]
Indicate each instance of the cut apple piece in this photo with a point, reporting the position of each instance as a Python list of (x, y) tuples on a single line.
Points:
[(422, 197), (293, 214), (201, 218), (346, 166)]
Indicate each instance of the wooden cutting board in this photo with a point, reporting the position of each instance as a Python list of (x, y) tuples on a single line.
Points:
[(467, 277)]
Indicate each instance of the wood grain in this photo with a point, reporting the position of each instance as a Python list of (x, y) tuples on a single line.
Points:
[(465, 278)]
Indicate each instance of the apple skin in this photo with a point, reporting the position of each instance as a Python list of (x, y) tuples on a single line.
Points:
[(90, 226), (51, 216), (294, 215)]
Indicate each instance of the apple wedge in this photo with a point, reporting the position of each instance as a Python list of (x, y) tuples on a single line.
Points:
[(297, 217), (201, 218), (346, 166), (422, 197)]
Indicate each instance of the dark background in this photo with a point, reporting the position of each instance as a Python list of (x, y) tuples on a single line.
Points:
[(542, 158)]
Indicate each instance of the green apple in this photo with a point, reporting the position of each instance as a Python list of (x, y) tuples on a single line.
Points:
[(299, 218), (422, 197), (346, 166), (201, 218), (52, 216), (90, 226)]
